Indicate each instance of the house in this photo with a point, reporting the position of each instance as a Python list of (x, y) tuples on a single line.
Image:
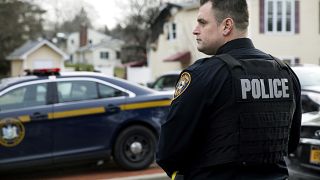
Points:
[(172, 45), (287, 29), (91, 47), (104, 56), (34, 55)]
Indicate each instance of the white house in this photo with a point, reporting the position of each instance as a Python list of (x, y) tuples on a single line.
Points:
[(173, 46), (104, 56), (288, 29), (91, 47)]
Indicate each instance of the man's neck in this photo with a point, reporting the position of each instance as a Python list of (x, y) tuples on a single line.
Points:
[(236, 34)]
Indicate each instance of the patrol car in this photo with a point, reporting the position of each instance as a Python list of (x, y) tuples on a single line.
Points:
[(305, 162), (309, 76), (72, 117)]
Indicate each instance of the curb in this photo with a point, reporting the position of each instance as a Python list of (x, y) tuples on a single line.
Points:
[(157, 176)]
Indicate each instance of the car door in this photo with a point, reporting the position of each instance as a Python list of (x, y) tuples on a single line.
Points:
[(25, 131), (86, 116)]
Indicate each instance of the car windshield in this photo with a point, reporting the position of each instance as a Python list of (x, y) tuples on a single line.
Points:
[(308, 76)]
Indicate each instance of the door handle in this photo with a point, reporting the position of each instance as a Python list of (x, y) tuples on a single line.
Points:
[(38, 116), (112, 108)]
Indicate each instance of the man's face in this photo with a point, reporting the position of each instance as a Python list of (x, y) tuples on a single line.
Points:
[(208, 32)]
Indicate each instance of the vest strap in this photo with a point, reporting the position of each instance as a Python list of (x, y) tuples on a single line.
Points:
[(232, 62), (281, 63)]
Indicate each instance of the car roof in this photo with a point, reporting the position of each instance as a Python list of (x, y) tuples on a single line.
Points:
[(5, 82), (306, 66), (134, 87)]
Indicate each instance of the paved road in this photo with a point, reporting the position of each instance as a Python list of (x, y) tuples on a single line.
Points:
[(88, 172), (109, 171)]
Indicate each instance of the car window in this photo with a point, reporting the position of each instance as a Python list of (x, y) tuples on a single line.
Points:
[(26, 96), (170, 81), (76, 91), (107, 91), (166, 82)]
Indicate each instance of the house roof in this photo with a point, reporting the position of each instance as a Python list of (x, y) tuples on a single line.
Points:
[(30, 46), (184, 56), (113, 43), (189, 4), (165, 12)]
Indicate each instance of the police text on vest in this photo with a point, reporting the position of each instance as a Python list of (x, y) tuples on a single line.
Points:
[(259, 88)]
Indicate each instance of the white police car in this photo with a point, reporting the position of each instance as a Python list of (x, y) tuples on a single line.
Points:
[(309, 77), (69, 117), (304, 163), (165, 82)]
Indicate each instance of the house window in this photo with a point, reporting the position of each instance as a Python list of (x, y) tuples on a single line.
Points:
[(172, 31), (279, 16), (104, 55), (118, 54)]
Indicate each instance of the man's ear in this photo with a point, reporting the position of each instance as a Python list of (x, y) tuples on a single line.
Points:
[(228, 24)]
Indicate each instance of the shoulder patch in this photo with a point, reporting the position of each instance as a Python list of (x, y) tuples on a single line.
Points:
[(182, 84)]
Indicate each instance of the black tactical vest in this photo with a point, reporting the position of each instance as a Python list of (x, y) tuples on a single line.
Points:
[(254, 125)]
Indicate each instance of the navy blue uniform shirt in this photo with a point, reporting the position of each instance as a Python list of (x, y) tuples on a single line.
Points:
[(210, 84)]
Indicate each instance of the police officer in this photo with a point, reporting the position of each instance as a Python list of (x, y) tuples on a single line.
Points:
[(234, 115)]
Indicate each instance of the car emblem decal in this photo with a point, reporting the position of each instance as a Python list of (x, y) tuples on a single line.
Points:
[(317, 133), (11, 132), (182, 84)]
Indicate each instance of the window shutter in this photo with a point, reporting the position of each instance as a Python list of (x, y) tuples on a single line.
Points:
[(297, 17), (296, 60), (261, 16)]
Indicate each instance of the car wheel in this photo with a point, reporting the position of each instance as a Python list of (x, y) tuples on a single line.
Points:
[(135, 148)]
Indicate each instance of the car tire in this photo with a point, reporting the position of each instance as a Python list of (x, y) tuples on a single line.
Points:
[(135, 148)]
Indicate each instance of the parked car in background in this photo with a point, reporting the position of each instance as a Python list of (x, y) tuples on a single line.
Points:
[(53, 118), (305, 162), (165, 82), (309, 77)]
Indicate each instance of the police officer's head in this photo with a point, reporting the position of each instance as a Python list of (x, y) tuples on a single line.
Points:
[(220, 21)]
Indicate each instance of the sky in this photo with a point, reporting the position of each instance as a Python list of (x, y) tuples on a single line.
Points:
[(108, 12), (102, 12)]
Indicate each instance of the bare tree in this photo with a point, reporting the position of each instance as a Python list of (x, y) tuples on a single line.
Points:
[(61, 15), (19, 21), (134, 28)]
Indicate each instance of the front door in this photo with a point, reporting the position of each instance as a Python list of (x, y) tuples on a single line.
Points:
[(25, 130)]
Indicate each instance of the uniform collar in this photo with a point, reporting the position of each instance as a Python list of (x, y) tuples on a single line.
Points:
[(235, 44)]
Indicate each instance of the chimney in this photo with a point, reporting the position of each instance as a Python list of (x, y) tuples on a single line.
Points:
[(83, 35)]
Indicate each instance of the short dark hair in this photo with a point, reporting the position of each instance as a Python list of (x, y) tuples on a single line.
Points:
[(235, 9)]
